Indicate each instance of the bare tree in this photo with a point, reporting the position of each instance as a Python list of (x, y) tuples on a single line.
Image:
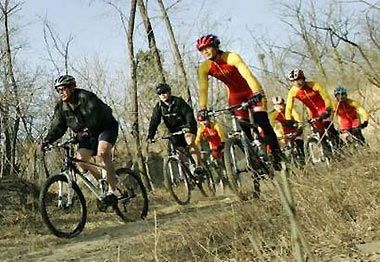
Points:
[(177, 54), (151, 39)]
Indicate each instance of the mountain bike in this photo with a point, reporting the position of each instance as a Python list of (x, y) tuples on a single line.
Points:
[(216, 168), (318, 147), (63, 205), (293, 154), (353, 139), (179, 173), (243, 157)]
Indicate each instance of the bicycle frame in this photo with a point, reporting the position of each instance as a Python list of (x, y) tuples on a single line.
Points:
[(71, 171)]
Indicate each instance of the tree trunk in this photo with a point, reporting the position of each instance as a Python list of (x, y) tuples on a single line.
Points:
[(177, 54), (135, 117), (151, 39), (10, 81)]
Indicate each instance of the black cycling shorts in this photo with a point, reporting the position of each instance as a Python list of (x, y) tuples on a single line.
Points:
[(109, 135)]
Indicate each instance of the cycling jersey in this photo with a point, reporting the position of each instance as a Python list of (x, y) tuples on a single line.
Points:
[(177, 114), (279, 117), (229, 68), (313, 95), (215, 135), (350, 113), (88, 112)]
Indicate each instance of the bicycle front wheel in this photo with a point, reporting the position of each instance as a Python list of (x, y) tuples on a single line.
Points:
[(177, 180), (236, 166), (62, 207), (207, 184), (133, 200)]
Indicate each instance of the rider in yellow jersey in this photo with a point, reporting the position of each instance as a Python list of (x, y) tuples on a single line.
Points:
[(214, 133), (278, 116), (242, 86), (352, 115), (317, 101)]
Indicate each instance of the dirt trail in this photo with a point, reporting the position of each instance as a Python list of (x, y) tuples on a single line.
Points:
[(101, 241)]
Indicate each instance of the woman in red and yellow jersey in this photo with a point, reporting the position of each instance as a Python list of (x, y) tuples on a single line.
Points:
[(352, 115), (242, 85)]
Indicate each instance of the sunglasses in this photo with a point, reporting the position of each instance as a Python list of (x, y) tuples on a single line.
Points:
[(61, 88), (162, 92)]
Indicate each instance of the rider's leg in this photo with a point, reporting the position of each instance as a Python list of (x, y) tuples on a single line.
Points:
[(357, 133), (270, 137), (85, 155), (194, 149), (300, 146), (333, 134), (105, 153)]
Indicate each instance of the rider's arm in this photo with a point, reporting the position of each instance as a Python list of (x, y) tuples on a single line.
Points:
[(221, 132), (187, 113), (58, 126), (198, 138), (296, 116), (290, 103), (324, 94), (203, 84), (360, 110), (235, 60), (155, 120)]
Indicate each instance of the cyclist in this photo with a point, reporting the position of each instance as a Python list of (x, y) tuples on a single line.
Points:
[(352, 115), (242, 86), (317, 101), (82, 110), (277, 115), (214, 133), (177, 116)]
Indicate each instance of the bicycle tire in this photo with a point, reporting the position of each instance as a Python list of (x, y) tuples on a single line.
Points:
[(177, 183), (207, 182), (236, 165), (54, 210), (133, 203), (315, 152)]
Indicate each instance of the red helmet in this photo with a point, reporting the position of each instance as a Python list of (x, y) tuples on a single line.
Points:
[(278, 100), (207, 40), (296, 74)]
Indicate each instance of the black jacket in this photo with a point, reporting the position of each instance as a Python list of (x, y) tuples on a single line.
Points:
[(89, 112), (176, 115)]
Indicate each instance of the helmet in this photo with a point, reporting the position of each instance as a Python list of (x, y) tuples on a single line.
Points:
[(207, 40), (201, 116), (163, 88), (340, 90), (296, 74), (278, 100), (64, 80)]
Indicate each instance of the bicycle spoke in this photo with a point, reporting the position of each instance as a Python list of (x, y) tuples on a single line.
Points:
[(63, 208)]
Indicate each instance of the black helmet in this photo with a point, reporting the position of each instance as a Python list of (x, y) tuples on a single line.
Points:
[(64, 80), (163, 88)]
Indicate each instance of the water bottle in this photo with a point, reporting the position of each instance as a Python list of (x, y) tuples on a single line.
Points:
[(91, 178)]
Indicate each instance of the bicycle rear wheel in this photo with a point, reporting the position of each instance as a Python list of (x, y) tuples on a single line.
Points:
[(62, 207), (177, 181), (238, 171), (133, 200)]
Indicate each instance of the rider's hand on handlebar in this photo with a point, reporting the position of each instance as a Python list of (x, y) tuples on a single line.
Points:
[(290, 124), (256, 98), (81, 135), (364, 124), (326, 114)]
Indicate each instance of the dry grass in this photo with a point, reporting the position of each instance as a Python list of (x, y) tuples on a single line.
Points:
[(337, 209)]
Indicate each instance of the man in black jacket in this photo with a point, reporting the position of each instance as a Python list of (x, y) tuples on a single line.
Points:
[(82, 110), (177, 116)]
